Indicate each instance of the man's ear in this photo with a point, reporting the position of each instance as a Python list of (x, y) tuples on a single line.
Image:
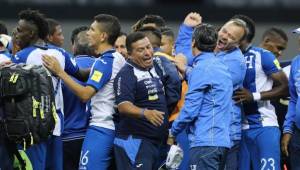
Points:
[(193, 43), (32, 34), (266, 40), (49, 37), (103, 36)]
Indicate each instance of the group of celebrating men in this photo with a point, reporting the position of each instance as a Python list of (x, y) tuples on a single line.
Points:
[(122, 100)]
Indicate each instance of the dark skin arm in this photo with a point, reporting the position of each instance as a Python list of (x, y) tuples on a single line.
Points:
[(279, 90), (82, 74)]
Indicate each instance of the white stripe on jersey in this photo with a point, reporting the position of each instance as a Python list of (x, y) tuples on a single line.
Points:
[(102, 103), (263, 83), (35, 57)]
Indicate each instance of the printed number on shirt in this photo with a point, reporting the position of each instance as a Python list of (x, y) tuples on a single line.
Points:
[(249, 62), (266, 163), (84, 159)]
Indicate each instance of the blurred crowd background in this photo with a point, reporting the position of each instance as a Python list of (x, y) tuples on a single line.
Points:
[(72, 13)]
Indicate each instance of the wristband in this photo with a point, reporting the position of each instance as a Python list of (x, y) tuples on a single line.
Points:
[(170, 134), (143, 112), (256, 96)]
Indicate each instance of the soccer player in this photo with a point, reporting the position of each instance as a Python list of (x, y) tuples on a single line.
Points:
[(30, 36), (98, 142), (264, 81), (120, 45), (76, 116), (55, 36), (149, 20), (275, 40), (167, 41)]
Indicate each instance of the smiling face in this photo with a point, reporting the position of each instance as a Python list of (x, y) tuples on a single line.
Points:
[(142, 53), (25, 33), (229, 36)]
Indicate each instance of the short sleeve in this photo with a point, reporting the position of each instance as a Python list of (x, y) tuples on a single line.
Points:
[(100, 73), (125, 86), (269, 63), (70, 64)]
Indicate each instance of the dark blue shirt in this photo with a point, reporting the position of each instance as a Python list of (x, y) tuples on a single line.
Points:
[(144, 89)]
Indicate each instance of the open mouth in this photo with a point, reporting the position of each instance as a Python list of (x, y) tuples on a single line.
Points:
[(148, 60), (221, 44)]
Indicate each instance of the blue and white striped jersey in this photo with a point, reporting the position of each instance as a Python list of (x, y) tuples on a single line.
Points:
[(102, 76), (33, 55), (260, 65), (4, 56)]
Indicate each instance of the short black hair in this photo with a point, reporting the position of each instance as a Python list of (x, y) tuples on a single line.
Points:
[(122, 33), (156, 19), (76, 31), (149, 18), (132, 38), (205, 36), (153, 30), (81, 44), (52, 24), (3, 28), (274, 31), (38, 19), (250, 26), (109, 24), (153, 34), (167, 32)]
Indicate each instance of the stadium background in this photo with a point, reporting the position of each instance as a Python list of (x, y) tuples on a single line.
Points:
[(72, 13)]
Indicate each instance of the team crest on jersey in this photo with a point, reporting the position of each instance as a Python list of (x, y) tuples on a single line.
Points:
[(153, 97), (17, 57), (97, 76), (73, 61), (277, 64)]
